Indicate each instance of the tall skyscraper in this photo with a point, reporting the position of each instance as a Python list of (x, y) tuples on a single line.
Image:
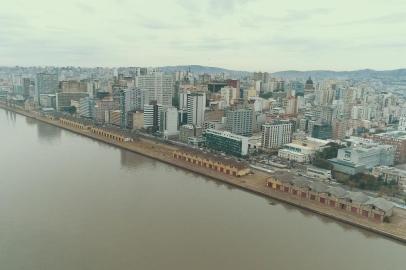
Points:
[(196, 105), (160, 87), (169, 122)]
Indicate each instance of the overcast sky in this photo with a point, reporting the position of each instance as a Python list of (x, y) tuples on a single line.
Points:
[(251, 35)]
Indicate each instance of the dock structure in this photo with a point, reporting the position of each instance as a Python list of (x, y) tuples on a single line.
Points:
[(222, 165), (357, 203), (108, 134), (74, 123)]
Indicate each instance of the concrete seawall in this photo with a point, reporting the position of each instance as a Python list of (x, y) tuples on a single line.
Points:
[(241, 183)]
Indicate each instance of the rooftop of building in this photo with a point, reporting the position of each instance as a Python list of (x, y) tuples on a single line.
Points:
[(225, 134), (336, 191), (397, 134)]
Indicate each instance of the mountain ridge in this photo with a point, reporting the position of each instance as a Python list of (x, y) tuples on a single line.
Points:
[(299, 74)]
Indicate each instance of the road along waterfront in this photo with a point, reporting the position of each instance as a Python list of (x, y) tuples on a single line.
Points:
[(253, 183)]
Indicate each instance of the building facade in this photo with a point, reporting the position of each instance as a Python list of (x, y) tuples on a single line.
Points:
[(239, 121), (398, 140), (196, 106), (226, 142), (46, 83), (360, 158), (276, 134)]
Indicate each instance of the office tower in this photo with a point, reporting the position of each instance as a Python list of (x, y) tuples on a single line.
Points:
[(169, 122), (26, 87), (276, 134), (322, 131), (239, 121), (152, 115), (45, 83), (183, 100), (196, 105), (87, 108), (139, 96), (160, 87)]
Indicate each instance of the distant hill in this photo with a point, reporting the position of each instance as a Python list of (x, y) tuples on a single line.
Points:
[(204, 69), (397, 74), (386, 75)]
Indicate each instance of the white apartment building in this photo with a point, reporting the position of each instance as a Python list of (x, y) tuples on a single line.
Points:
[(169, 122), (276, 134)]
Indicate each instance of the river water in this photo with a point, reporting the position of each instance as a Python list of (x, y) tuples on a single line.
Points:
[(70, 203)]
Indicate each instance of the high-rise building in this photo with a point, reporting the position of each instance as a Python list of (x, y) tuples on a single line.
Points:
[(196, 105), (239, 121), (169, 122), (46, 83), (87, 108), (276, 134), (152, 115), (339, 128), (160, 87), (135, 99)]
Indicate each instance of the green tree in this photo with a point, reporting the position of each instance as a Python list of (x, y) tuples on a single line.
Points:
[(322, 163), (265, 95)]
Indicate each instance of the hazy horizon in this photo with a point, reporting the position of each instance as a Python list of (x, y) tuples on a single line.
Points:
[(234, 34)]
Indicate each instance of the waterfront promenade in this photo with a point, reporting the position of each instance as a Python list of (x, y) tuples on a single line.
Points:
[(255, 183)]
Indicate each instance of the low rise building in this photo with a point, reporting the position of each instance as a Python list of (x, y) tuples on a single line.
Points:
[(358, 159), (302, 151), (189, 131), (212, 162), (319, 173), (226, 142), (356, 203), (391, 174), (398, 140)]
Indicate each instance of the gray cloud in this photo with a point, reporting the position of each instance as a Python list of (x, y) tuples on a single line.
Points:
[(86, 8), (384, 19), (291, 16)]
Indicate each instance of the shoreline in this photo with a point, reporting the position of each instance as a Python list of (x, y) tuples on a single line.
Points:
[(151, 149)]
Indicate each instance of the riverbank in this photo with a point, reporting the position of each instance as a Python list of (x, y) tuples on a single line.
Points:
[(252, 183)]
